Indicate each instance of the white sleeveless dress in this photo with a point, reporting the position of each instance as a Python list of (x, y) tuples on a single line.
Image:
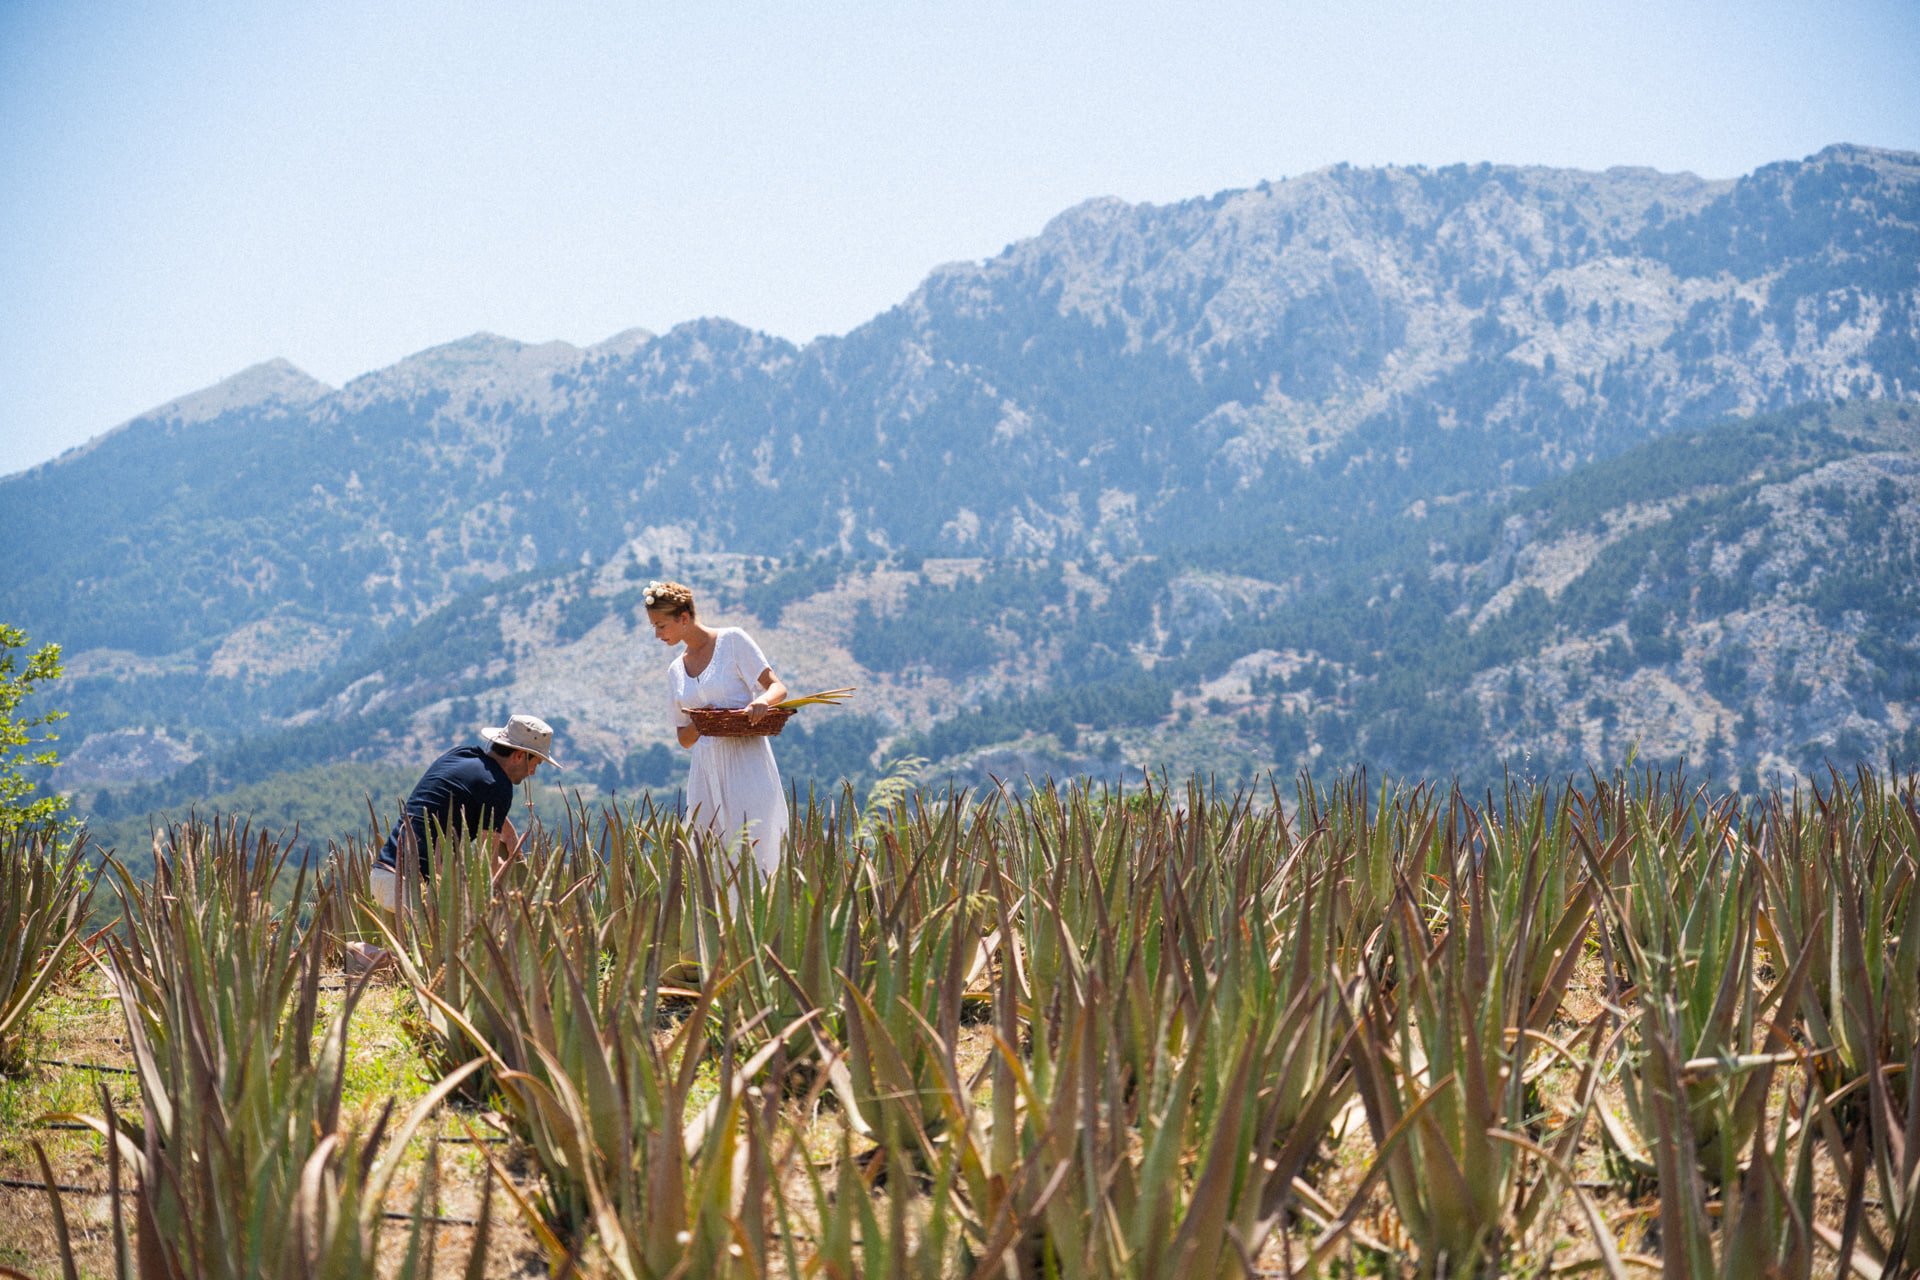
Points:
[(733, 785)]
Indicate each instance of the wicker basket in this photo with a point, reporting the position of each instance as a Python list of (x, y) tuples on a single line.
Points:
[(718, 722)]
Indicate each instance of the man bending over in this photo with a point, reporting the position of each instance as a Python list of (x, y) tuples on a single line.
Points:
[(466, 792)]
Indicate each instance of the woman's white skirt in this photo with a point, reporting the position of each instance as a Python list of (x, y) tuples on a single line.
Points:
[(734, 792)]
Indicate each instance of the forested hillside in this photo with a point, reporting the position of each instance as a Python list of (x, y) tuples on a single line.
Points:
[(1741, 597)]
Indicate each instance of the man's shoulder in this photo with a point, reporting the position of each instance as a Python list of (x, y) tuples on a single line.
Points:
[(468, 762), (456, 757)]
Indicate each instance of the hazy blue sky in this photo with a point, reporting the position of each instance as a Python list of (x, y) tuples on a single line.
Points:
[(187, 189)]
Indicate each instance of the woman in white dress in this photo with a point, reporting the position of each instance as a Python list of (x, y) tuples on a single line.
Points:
[(733, 785)]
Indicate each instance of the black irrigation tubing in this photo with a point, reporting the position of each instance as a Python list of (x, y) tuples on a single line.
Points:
[(68, 1189), (65, 1189), (86, 1066), (61, 1126), (438, 1219)]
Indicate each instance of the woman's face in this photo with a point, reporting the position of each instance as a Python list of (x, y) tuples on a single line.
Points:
[(671, 628)]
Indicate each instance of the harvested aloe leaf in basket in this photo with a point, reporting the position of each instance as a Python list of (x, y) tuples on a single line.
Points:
[(825, 698)]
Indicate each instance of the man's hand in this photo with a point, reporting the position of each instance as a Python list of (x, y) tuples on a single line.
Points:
[(506, 848), (506, 844)]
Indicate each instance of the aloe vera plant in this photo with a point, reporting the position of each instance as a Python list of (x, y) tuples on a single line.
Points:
[(1765, 1223), (1881, 1152), (1543, 859), (904, 965), (1840, 876), (1440, 1063), (238, 1163), (47, 892), (440, 936), (550, 969), (875, 1225), (1686, 918), (1153, 1090), (1891, 1155), (1364, 847), (1106, 1147), (605, 1103), (786, 937)]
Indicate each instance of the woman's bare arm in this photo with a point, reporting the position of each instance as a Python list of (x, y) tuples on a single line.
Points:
[(772, 693)]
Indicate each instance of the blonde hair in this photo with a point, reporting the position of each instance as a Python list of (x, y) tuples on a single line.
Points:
[(668, 597)]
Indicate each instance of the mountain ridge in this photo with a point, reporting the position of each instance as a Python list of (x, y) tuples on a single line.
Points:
[(1300, 385), (1905, 164)]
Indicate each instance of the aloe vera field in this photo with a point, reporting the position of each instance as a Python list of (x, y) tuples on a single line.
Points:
[(1621, 1025)]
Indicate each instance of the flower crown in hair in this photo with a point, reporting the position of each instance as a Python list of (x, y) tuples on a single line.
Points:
[(651, 596)]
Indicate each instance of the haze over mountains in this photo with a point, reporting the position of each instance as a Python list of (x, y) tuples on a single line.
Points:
[(1442, 470)]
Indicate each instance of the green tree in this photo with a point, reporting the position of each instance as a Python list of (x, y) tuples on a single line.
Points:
[(18, 738)]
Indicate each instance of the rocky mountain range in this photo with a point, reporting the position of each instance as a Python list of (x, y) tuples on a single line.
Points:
[(1274, 477)]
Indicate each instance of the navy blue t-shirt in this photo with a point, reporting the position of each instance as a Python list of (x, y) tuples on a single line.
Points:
[(464, 792)]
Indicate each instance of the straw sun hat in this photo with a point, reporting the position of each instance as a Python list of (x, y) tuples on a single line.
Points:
[(525, 733)]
